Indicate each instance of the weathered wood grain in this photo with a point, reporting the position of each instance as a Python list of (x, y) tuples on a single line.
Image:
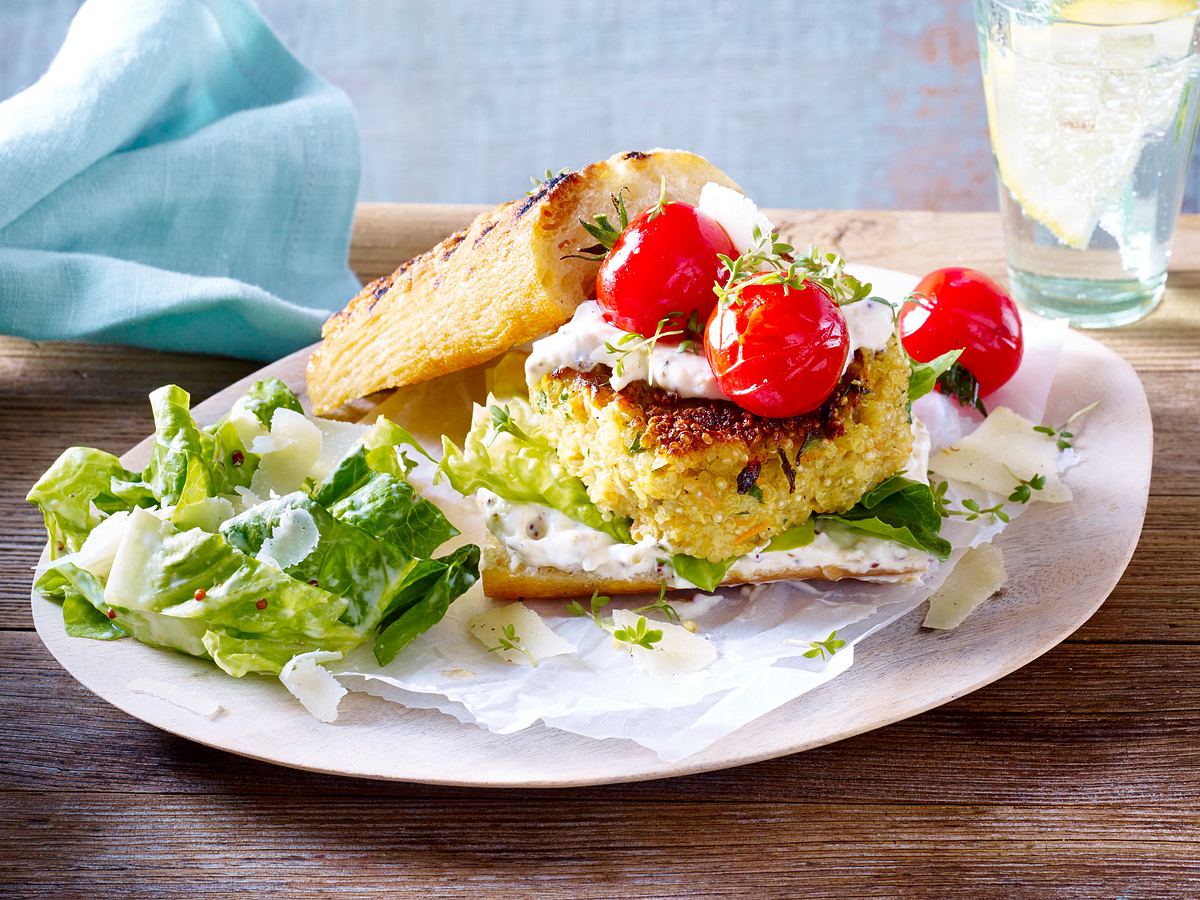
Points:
[(1079, 775)]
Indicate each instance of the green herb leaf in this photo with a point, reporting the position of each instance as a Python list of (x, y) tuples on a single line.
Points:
[(797, 536), (702, 573), (511, 641), (923, 376), (826, 648), (900, 510), (638, 635), (661, 605)]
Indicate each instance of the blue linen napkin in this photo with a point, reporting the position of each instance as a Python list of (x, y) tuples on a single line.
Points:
[(178, 180)]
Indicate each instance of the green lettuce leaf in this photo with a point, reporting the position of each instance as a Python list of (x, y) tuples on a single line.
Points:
[(78, 490), (900, 510), (179, 445), (153, 588), (346, 561), (378, 452), (923, 376), (268, 395), (82, 598), (435, 584), (508, 454), (388, 508), (702, 573)]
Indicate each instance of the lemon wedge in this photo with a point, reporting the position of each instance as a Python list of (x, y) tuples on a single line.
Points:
[(1071, 105)]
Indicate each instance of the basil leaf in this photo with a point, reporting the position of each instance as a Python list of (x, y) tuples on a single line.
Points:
[(900, 510), (700, 572), (797, 536)]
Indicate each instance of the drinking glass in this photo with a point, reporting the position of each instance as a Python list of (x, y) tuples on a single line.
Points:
[(1092, 108)]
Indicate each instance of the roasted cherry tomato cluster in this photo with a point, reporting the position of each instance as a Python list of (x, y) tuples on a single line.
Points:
[(779, 350)]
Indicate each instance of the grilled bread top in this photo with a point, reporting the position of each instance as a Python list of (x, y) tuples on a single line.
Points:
[(499, 283)]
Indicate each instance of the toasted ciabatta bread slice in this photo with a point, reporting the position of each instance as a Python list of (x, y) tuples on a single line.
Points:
[(501, 282), (501, 581)]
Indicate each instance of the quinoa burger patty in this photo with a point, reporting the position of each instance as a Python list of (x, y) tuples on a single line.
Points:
[(710, 479)]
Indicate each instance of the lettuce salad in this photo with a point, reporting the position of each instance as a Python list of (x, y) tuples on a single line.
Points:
[(262, 537)]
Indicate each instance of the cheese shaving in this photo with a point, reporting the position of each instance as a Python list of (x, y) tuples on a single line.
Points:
[(999, 453), (292, 539), (288, 453), (312, 685), (185, 698), (679, 652), (530, 632), (978, 575)]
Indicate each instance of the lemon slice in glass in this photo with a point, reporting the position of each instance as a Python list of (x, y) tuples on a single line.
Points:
[(1071, 105)]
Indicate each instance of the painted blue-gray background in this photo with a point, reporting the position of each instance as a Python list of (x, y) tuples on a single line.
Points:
[(807, 103)]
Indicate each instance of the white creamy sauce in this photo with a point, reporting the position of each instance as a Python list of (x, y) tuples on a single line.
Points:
[(540, 537), (587, 341), (584, 343), (870, 325)]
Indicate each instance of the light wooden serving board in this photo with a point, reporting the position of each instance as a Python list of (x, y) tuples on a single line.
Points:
[(1063, 562)]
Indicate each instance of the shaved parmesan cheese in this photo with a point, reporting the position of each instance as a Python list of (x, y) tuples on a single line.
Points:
[(246, 424), (288, 453), (246, 498), (978, 575), (191, 700), (734, 212), (206, 514), (1002, 450), (336, 440), (312, 685), (292, 539), (528, 629), (678, 653)]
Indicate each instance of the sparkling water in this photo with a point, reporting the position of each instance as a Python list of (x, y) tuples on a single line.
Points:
[(1092, 129)]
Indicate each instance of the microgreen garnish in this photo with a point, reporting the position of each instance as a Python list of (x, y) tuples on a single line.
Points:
[(959, 383), (974, 511), (970, 510), (638, 635), (603, 230), (511, 641), (1025, 487), (772, 261), (938, 490), (1063, 437), (633, 343), (597, 603), (824, 649), (548, 175), (503, 423), (661, 605)]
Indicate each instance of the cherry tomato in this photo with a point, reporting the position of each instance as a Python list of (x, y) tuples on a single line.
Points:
[(954, 308), (778, 352), (661, 266)]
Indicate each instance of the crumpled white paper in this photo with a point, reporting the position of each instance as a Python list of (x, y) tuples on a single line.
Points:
[(760, 634)]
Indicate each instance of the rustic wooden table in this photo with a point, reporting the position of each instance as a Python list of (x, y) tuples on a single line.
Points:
[(1078, 775)]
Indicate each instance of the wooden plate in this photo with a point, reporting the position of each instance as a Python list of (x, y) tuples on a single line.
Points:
[(1063, 560)]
